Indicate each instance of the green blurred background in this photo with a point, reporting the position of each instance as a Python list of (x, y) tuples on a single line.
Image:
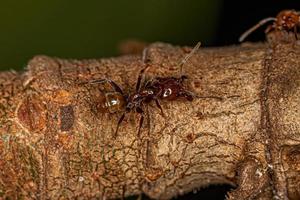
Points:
[(93, 29)]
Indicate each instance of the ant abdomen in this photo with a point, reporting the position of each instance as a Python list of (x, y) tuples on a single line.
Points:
[(112, 102)]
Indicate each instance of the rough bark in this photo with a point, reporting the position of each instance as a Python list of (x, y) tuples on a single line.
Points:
[(54, 143)]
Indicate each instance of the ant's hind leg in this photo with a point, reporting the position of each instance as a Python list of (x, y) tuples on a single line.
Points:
[(141, 112), (140, 125), (159, 106), (118, 125)]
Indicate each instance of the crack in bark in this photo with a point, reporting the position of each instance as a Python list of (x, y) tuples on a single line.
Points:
[(271, 144)]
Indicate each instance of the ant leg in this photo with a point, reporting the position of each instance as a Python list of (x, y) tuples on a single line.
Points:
[(111, 82), (140, 124), (140, 111), (159, 106), (148, 120), (148, 138), (118, 125)]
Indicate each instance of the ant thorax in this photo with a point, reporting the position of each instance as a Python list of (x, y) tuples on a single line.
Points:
[(137, 99)]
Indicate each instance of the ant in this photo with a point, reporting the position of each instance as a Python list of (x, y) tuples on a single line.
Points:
[(286, 20), (156, 89)]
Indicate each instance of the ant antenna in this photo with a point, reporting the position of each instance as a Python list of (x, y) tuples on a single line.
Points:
[(187, 57), (256, 26), (144, 55)]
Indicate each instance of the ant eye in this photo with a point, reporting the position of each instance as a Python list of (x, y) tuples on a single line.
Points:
[(167, 92)]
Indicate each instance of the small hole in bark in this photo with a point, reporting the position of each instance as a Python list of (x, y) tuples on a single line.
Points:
[(67, 117)]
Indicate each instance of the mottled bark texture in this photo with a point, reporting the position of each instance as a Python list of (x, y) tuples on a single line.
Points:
[(55, 144)]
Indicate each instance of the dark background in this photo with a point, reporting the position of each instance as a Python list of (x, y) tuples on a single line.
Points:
[(95, 28)]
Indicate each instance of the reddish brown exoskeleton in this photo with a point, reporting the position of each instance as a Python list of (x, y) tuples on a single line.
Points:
[(286, 20)]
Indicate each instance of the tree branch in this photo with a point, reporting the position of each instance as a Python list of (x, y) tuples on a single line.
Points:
[(55, 143)]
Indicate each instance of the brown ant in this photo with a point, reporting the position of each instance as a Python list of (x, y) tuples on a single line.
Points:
[(286, 20), (158, 88)]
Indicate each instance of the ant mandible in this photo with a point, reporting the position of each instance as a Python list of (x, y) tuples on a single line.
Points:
[(159, 88), (286, 20)]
